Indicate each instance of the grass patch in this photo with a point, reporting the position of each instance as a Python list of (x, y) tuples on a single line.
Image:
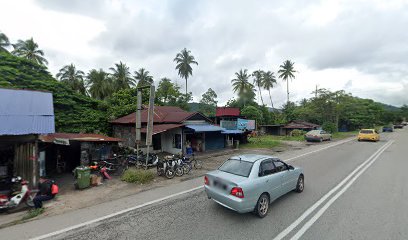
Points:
[(137, 176), (342, 135), (33, 213), (266, 141)]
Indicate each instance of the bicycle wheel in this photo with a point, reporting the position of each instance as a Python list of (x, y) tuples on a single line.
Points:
[(198, 164), (187, 168)]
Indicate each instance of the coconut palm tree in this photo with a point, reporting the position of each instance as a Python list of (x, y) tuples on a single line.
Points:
[(184, 60), (72, 77), (143, 78), (28, 49), (241, 84), (258, 76), (100, 84), (268, 82), (286, 72), (4, 42), (121, 76)]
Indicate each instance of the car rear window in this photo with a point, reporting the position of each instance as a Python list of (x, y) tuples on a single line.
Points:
[(366, 131), (237, 167)]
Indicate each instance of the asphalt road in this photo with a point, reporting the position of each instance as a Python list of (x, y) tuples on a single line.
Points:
[(361, 187)]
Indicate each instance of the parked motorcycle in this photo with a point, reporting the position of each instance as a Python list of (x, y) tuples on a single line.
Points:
[(169, 168), (13, 199)]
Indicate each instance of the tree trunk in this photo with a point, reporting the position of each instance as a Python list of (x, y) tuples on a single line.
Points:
[(260, 94), (270, 98), (287, 88), (186, 87)]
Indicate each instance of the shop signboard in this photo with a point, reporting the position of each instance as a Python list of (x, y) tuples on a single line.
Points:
[(245, 124), (229, 125)]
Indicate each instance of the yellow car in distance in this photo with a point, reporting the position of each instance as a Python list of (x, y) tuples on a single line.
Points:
[(368, 135)]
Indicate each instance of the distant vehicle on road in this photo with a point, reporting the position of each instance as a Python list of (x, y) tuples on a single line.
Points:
[(249, 183), (318, 135), (368, 135), (388, 129), (398, 126)]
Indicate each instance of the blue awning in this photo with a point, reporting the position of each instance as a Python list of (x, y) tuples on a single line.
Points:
[(232, 132), (205, 128)]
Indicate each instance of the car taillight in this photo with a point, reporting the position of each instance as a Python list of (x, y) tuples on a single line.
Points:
[(237, 192), (206, 182)]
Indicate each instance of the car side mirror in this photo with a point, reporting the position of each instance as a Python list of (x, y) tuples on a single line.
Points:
[(290, 167)]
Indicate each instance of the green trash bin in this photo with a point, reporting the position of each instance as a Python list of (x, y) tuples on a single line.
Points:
[(82, 177)]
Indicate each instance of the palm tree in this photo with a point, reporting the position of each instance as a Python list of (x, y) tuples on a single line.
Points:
[(100, 85), (28, 49), (121, 76), (143, 78), (184, 59), (241, 83), (286, 72), (72, 77), (258, 76), (268, 82), (4, 42)]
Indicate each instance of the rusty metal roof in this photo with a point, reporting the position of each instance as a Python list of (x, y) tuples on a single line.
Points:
[(227, 111), (162, 114), (301, 125), (159, 128), (81, 137)]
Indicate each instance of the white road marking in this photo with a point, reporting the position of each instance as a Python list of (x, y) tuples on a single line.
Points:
[(114, 214), (48, 235), (302, 217), (320, 149), (309, 223)]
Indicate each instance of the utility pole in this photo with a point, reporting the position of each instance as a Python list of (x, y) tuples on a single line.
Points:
[(138, 121), (149, 128)]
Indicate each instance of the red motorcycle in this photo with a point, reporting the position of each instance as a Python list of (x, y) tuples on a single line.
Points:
[(13, 199)]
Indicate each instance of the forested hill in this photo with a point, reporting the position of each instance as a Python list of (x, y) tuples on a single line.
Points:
[(73, 112)]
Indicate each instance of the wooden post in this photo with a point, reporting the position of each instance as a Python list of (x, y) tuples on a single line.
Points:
[(149, 129)]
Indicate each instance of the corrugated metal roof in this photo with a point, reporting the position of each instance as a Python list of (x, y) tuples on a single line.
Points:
[(81, 137), (26, 112), (162, 114), (227, 111), (159, 128), (226, 131), (205, 128)]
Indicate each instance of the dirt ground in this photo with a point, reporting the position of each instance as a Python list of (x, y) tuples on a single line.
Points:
[(69, 199)]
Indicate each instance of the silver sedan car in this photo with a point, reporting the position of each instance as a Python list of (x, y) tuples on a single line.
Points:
[(249, 183)]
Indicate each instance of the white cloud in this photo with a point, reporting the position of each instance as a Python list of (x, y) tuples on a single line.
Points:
[(332, 42)]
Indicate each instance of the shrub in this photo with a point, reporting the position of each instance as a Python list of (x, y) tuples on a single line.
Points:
[(137, 176), (330, 127), (297, 132)]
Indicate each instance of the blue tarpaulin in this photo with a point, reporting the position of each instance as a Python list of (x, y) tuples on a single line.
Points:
[(205, 128), (26, 112)]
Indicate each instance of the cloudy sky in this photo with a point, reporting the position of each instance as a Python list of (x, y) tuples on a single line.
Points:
[(360, 46)]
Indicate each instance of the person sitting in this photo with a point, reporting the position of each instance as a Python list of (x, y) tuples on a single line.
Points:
[(45, 192)]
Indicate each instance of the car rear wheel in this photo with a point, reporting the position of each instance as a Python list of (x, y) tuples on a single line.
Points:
[(262, 206), (300, 184)]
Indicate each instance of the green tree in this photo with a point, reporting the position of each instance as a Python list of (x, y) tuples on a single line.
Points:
[(208, 103), (121, 76), (122, 102), (100, 84), (143, 78), (251, 112), (73, 78), (28, 49), (4, 42), (167, 92), (74, 112), (243, 87), (268, 82), (184, 60), (286, 72), (258, 79)]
